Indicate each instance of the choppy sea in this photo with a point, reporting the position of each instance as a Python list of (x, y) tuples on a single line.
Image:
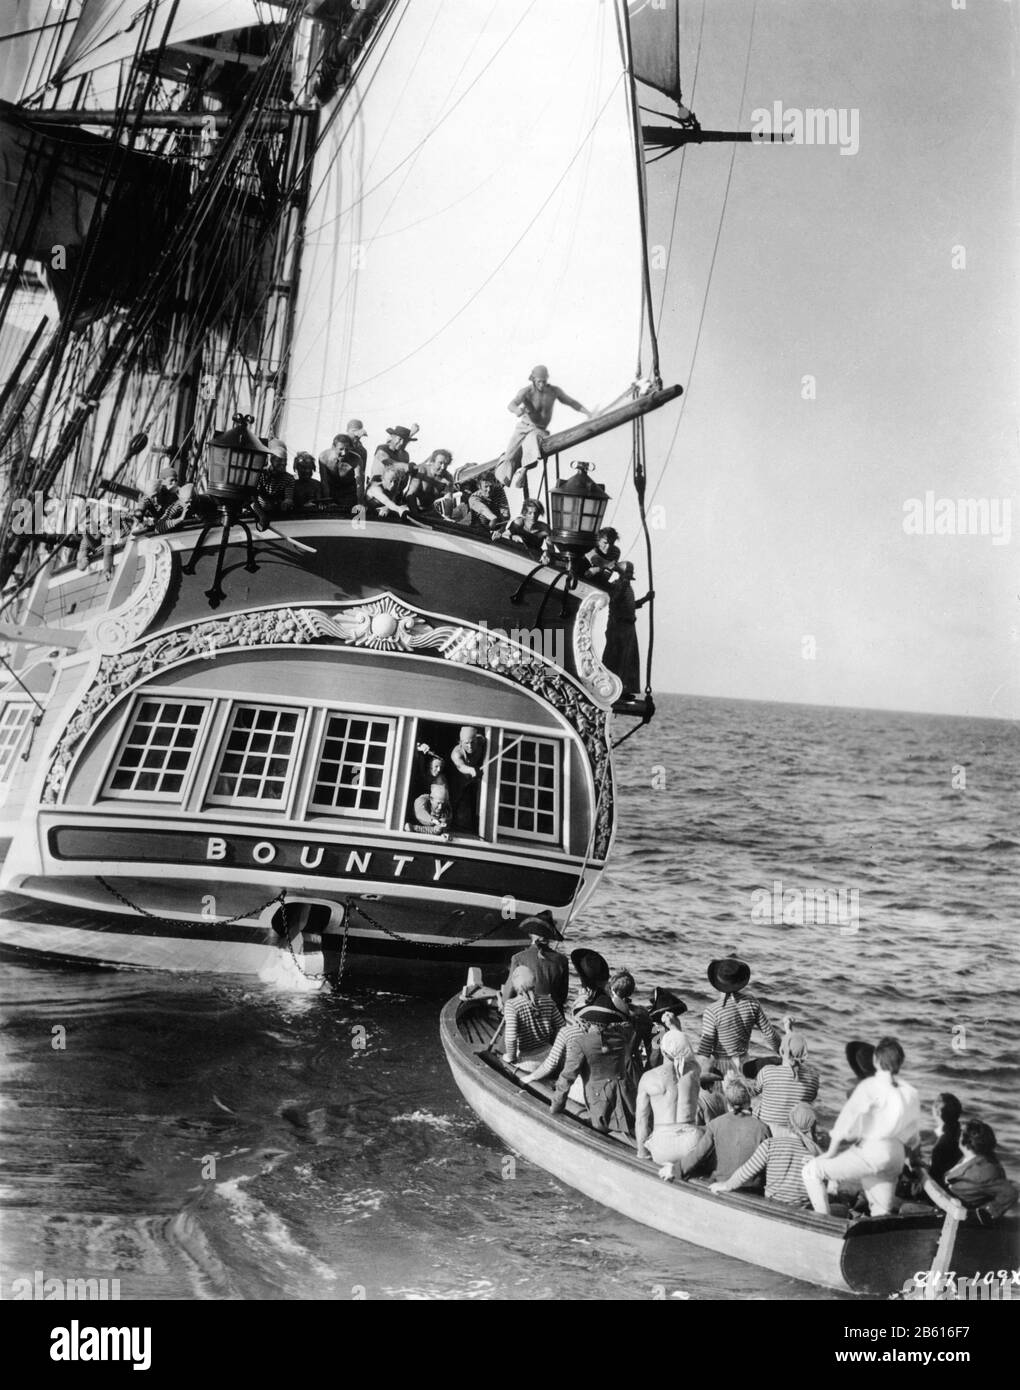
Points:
[(220, 1139)]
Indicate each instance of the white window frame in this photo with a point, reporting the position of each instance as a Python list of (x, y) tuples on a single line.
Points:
[(508, 742), (318, 809), (12, 749), (158, 697), (255, 803)]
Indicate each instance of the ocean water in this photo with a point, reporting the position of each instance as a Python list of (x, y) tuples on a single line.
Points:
[(219, 1139)]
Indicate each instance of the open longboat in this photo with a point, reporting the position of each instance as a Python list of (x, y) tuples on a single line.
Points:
[(873, 1256)]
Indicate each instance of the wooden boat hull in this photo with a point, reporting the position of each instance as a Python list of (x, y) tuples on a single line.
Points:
[(869, 1256)]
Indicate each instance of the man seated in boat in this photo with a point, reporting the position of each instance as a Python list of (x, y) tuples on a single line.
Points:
[(533, 406), (782, 1159), (781, 1085), (728, 1024), (712, 1101), (621, 991), (727, 1142), (532, 1019), (664, 1011), (667, 1104), (549, 966), (977, 1188), (946, 1153), (593, 973), (877, 1127), (600, 1056), (468, 759)]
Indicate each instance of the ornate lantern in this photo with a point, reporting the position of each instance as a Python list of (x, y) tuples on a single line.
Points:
[(576, 509), (234, 459)]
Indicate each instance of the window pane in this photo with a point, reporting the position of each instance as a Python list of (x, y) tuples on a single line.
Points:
[(258, 755), (157, 751), (528, 798), (353, 775)]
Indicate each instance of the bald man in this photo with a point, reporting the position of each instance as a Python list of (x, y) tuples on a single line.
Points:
[(533, 406)]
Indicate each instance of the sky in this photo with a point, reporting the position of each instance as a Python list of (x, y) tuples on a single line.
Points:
[(783, 517)]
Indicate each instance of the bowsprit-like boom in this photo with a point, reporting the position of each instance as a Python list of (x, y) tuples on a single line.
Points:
[(578, 434)]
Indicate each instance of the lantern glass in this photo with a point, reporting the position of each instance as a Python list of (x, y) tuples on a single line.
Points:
[(234, 460), (576, 509)]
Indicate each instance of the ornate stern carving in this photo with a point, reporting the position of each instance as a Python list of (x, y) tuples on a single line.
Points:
[(117, 629), (596, 678), (384, 624)]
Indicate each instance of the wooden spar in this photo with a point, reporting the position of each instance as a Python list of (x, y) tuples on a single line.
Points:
[(578, 434), (169, 120), (664, 135)]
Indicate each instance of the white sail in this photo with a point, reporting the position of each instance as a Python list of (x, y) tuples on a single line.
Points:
[(108, 30), (33, 34), (474, 213)]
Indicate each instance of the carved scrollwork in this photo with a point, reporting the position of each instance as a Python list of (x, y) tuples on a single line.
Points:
[(113, 631), (598, 679), (383, 624)]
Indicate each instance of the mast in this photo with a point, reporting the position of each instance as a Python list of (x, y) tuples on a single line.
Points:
[(623, 23)]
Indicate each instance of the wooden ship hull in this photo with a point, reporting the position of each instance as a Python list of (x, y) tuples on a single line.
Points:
[(217, 776), (869, 1256)]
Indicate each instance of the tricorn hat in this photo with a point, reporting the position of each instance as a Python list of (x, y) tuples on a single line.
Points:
[(598, 1013), (541, 925), (664, 1001), (592, 968), (861, 1056), (401, 430), (728, 975)]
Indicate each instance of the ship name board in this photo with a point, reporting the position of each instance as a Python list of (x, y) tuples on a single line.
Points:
[(264, 852)]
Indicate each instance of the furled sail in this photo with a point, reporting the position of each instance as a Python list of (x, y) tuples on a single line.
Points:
[(108, 31), (474, 214), (655, 44)]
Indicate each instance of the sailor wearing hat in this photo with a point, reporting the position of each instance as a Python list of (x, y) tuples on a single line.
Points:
[(727, 1025), (600, 1056), (552, 974)]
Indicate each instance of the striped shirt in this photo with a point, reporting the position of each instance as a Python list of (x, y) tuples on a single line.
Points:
[(782, 1160), (781, 1089), (530, 1023), (727, 1025)]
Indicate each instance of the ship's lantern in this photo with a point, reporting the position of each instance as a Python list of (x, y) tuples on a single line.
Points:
[(576, 508), (234, 460)]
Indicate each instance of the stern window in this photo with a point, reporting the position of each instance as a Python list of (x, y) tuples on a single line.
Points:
[(155, 756), (256, 765), (354, 766), (13, 723), (528, 804)]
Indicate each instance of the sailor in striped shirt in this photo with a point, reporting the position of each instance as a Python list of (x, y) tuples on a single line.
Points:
[(782, 1159), (727, 1025), (532, 1020), (782, 1087)]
